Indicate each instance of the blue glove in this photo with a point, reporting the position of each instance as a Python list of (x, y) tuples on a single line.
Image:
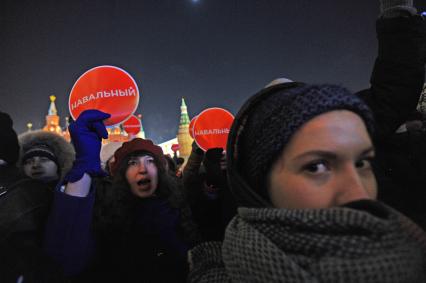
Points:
[(87, 133)]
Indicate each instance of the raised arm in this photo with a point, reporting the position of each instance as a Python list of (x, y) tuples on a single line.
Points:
[(68, 238), (399, 72)]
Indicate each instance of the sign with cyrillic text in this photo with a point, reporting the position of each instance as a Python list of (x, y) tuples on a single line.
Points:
[(106, 88), (211, 128), (132, 126)]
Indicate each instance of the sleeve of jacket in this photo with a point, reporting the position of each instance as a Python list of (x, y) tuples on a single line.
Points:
[(398, 74), (206, 264), (68, 237), (23, 215), (190, 176)]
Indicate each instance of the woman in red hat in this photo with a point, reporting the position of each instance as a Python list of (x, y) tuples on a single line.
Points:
[(132, 226)]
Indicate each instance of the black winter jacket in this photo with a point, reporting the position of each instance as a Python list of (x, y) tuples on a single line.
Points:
[(396, 84), (24, 206)]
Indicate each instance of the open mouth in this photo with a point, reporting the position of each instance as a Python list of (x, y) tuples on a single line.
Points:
[(144, 182)]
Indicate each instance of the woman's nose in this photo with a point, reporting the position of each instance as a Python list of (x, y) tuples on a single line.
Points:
[(350, 187), (142, 168)]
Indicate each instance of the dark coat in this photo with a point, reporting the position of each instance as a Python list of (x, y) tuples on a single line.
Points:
[(402, 167), (396, 84), (24, 206), (147, 241), (210, 199)]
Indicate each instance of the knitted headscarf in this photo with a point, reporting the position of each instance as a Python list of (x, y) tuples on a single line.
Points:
[(266, 123)]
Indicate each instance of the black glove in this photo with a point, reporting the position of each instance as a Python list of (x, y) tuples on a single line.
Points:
[(196, 149), (214, 174)]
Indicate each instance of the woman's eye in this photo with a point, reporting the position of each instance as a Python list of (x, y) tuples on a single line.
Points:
[(150, 161), (316, 167), (365, 163), (132, 162)]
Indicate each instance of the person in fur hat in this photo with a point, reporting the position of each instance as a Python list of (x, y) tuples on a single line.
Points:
[(24, 207), (45, 156), (131, 226)]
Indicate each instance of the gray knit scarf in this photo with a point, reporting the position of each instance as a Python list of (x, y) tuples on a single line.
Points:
[(323, 245)]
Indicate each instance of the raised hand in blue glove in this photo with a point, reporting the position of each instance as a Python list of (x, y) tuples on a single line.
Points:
[(87, 133)]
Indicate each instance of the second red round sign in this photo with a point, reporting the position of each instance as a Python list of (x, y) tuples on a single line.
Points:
[(211, 128)]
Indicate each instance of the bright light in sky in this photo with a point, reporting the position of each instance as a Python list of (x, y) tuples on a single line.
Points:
[(194, 1)]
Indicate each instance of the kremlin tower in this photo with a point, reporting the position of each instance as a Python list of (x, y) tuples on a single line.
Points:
[(183, 137), (66, 133), (52, 119), (141, 133)]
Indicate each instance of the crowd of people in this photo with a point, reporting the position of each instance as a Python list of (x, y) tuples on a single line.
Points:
[(317, 184)]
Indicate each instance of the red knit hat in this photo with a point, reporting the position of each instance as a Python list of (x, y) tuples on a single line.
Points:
[(134, 145)]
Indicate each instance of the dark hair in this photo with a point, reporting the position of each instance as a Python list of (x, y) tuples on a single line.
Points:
[(163, 188), (171, 163), (115, 202)]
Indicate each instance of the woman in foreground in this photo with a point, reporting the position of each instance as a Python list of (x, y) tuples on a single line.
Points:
[(300, 166)]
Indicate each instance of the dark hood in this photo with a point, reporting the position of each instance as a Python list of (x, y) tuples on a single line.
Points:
[(244, 194)]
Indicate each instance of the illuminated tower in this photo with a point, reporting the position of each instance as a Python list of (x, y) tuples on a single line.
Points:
[(52, 118), (66, 133), (141, 133), (184, 139), (29, 127)]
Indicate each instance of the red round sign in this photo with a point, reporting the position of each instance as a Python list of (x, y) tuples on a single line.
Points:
[(105, 88), (132, 126), (191, 126), (211, 129)]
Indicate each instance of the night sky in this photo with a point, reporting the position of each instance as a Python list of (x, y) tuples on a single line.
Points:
[(211, 52)]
